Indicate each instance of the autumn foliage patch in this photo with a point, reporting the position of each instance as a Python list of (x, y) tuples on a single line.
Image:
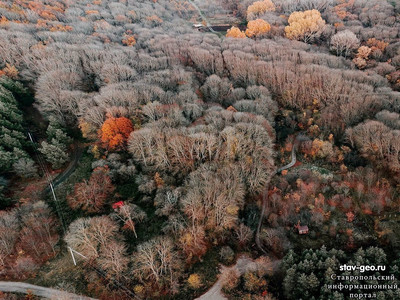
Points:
[(115, 132)]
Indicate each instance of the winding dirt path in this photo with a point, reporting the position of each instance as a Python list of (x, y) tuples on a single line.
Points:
[(49, 293), (292, 162), (243, 264), (75, 157), (265, 193)]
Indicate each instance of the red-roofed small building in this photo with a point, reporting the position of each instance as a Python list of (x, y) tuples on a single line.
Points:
[(303, 229), (118, 204)]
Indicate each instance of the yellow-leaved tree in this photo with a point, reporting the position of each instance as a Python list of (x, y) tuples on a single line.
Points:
[(235, 32), (305, 25), (194, 281), (259, 8), (257, 28)]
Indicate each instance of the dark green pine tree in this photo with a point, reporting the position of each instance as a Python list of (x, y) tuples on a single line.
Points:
[(12, 136)]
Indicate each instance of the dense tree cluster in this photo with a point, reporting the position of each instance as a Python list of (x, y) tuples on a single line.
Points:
[(223, 137), (336, 204), (378, 143), (55, 148), (13, 139), (31, 231), (310, 273)]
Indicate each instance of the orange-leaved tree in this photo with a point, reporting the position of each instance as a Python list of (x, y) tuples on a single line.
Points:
[(257, 28), (235, 32), (10, 71), (259, 8), (305, 25), (129, 40), (115, 132)]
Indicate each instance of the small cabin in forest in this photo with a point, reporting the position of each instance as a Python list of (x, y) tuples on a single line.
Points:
[(303, 229)]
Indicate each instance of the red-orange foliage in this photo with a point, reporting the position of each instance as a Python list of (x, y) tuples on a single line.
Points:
[(342, 9), (115, 132), (375, 44), (10, 71), (350, 217), (60, 27), (129, 40), (91, 195), (92, 12), (3, 20), (158, 180), (154, 19)]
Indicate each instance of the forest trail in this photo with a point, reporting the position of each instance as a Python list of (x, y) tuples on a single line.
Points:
[(49, 293), (292, 162), (76, 156), (265, 194), (243, 264)]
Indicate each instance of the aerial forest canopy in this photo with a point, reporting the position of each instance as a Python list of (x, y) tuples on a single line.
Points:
[(165, 141)]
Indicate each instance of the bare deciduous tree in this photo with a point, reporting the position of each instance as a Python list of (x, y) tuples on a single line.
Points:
[(243, 234), (9, 230), (114, 259), (129, 214), (39, 233), (157, 262), (91, 195), (88, 235), (344, 43)]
